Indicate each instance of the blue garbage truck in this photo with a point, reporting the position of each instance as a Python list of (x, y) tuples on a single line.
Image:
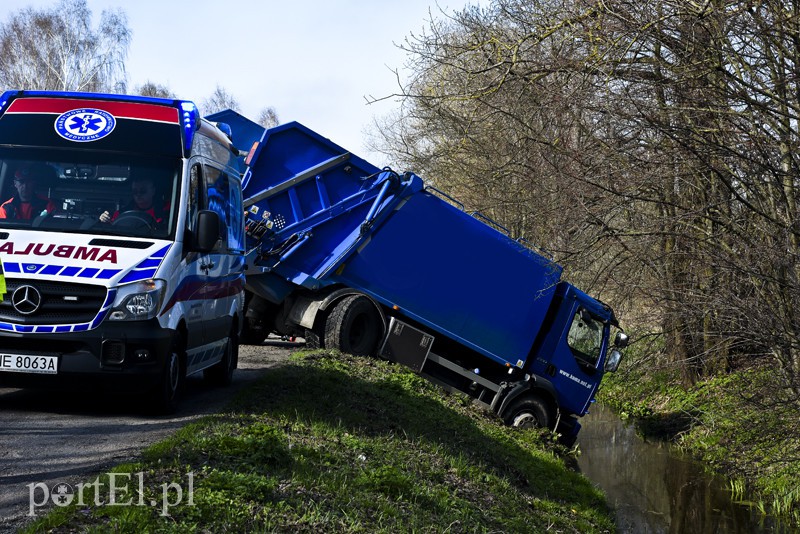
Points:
[(370, 261)]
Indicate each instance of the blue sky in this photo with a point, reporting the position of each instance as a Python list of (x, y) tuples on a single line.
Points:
[(313, 61)]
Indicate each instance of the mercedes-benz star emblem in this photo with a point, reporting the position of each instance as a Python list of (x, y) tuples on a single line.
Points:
[(26, 299)]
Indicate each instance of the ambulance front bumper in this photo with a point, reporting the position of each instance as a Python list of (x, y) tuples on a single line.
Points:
[(112, 356)]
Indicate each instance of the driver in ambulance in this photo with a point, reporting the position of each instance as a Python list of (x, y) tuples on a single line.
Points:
[(143, 191)]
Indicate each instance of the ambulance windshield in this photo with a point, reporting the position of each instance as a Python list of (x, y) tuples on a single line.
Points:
[(88, 192)]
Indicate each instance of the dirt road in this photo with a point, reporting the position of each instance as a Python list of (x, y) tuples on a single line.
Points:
[(56, 437)]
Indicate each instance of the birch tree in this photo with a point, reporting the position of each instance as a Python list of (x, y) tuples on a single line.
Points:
[(58, 49)]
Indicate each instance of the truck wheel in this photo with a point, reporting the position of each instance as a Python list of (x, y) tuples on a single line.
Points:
[(221, 374), (353, 326), (313, 339), (528, 412), (253, 335), (169, 390)]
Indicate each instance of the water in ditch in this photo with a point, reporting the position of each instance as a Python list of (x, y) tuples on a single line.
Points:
[(654, 490)]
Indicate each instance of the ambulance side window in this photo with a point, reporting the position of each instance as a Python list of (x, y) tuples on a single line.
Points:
[(235, 217), (195, 196), (218, 195)]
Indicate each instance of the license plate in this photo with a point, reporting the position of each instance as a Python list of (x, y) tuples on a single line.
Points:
[(21, 363)]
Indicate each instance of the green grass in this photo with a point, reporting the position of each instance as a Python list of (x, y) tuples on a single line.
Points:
[(738, 424), (332, 443)]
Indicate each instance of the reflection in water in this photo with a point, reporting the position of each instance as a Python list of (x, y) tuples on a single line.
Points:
[(654, 491)]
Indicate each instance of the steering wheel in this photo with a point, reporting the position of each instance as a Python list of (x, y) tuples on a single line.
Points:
[(135, 219)]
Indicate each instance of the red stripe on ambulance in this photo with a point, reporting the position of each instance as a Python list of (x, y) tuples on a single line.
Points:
[(120, 110)]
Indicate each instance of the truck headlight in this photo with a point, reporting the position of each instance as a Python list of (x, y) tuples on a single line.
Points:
[(138, 301)]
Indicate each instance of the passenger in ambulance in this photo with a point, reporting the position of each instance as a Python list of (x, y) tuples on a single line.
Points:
[(26, 204), (143, 192)]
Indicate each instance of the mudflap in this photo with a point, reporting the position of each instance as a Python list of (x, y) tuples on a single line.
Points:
[(568, 428)]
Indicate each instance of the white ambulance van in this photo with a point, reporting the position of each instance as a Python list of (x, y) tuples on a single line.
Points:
[(122, 241)]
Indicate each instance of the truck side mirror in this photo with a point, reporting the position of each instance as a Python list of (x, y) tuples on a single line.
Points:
[(621, 340), (207, 231), (612, 362)]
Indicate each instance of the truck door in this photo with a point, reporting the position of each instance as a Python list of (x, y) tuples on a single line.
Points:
[(575, 365)]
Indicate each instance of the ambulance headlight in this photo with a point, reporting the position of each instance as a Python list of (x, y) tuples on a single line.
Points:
[(138, 301)]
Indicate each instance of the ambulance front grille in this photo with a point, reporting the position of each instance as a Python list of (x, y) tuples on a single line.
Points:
[(60, 303)]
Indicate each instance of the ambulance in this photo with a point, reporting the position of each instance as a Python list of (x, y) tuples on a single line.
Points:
[(122, 244)]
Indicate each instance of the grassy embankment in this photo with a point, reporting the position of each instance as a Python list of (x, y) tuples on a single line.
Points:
[(735, 423), (329, 442)]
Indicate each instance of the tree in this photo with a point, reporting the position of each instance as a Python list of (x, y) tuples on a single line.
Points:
[(268, 117), (490, 113), (57, 49), (150, 88), (219, 100), (715, 83)]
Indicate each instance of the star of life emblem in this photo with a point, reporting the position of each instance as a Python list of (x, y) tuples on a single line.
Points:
[(85, 124)]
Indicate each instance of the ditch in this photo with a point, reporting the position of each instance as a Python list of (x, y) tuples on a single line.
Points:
[(655, 489)]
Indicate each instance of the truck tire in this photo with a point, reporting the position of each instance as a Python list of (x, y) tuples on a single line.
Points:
[(353, 326), (221, 374), (529, 412), (313, 339), (253, 334)]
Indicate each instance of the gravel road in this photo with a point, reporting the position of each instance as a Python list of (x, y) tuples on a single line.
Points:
[(73, 437)]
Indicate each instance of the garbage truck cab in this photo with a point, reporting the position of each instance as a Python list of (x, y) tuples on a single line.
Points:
[(122, 240)]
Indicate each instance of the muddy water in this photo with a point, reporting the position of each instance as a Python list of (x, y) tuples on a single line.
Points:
[(654, 490)]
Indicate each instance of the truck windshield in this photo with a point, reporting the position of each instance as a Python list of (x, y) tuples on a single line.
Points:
[(88, 192), (585, 337)]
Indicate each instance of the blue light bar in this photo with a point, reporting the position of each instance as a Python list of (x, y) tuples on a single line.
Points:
[(190, 119)]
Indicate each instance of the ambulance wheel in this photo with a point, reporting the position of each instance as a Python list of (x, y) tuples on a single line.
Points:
[(528, 412), (169, 390), (353, 326), (221, 374)]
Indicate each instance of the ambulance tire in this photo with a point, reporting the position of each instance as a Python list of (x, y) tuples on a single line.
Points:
[(529, 412), (354, 326), (168, 392), (221, 374)]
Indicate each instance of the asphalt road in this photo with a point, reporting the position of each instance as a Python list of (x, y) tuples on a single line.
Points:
[(48, 437)]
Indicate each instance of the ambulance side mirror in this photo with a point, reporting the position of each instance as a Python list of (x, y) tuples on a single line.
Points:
[(207, 233)]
